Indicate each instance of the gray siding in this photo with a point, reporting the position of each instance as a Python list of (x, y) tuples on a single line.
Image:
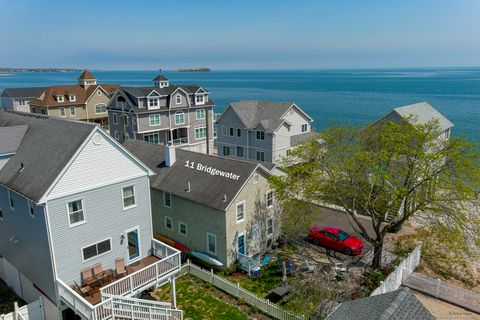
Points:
[(105, 218), (6, 103), (31, 255)]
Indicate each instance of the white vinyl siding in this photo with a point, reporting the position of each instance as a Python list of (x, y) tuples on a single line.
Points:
[(76, 214), (96, 249), (128, 194)]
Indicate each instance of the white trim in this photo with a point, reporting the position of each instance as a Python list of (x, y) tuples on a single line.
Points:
[(256, 135), (175, 117), (241, 203), (137, 228), (74, 113), (204, 114), (134, 197), (100, 104), (70, 225), (150, 122), (208, 245), (60, 112), (94, 91), (266, 198), (171, 200), (98, 255), (177, 96), (195, 132), (171, 223), (179, 229), (273, 227), (240, 234)]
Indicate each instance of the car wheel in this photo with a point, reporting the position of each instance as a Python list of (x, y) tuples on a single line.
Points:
[(347, 251), (316, 241)]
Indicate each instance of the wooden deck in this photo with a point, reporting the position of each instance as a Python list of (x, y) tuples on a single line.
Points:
[(134, 267)]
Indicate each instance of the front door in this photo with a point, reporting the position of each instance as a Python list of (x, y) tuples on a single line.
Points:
[(241, 244), (133, 245)]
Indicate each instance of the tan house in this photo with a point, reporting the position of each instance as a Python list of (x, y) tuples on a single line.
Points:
[(221, 208), (85, 101)]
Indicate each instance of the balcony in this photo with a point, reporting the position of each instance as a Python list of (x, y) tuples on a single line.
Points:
[(116, 299)]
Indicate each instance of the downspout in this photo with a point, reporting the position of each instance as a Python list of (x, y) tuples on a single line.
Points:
[(207, 125)]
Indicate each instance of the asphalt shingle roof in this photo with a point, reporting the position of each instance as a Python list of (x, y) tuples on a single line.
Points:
[(10, 138), (160, 78), (15, 93), (46, 148), (253, 113), (400, 304), (81, 94), (205, 188)]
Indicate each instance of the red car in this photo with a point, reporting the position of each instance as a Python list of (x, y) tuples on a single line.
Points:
[(336, 239)]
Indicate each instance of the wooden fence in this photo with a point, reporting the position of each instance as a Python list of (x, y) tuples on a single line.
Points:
[(237, 291)]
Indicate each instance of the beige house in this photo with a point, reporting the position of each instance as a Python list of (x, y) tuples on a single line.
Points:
[(85, 101), (221, 207)]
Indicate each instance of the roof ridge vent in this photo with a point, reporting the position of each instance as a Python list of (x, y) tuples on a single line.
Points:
[(189, 187), (224, 198)]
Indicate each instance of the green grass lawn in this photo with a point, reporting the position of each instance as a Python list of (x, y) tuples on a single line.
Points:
[(269, 279), (199, 300), (7, 297)]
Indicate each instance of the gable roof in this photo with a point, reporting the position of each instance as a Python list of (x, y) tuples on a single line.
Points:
[(160, 78), (10, 138), (16, 93), (47, 146), (400, 304), (81, 94), (422, 113), (205, 188), (86, 75), (268, 114)]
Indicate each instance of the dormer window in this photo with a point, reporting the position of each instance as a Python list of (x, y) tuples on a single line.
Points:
[(72, 98), (260, 135), (153, 103), (178, 99), (199, 99), (60, 99)]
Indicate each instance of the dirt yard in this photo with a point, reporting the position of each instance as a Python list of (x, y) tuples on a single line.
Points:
[(445, 311)]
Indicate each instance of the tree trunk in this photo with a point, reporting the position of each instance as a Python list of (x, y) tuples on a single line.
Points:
[(377, 256)]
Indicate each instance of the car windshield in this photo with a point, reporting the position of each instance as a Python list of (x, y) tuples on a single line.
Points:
[(342, 235)]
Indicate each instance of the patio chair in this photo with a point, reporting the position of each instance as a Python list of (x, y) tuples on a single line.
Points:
[(87, 276), (84, 291), (97, 270), (120, 267)]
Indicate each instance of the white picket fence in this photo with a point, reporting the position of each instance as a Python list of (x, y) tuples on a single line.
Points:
[(237, 291), (401, 272), (32, 311)]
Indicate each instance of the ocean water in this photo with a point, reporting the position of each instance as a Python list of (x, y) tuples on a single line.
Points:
[(329, 96)]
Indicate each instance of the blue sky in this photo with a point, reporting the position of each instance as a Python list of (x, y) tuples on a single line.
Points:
[(141, 35)]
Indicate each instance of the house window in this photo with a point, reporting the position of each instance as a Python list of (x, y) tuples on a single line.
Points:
[(153, 103), (71, 98), (240, 211), (200, 133), (100, 108), (240, 152), (44, 111), (72, 111), (269, 198), (179, 117), (34, 110), (99, 93), (154, 120), (224, 130), (270, 226), (178, 99), (226, 150), (128, 194), (10, 200), (182, 229), (31, 209), (168, 223), (75, 213), (167, 199), (199, 99), (289, 152), (260, 156), (239, 132), (200, 114), (62, 112), (304, 127), (115, 118), (211, 243), (60, 99), (116, 135), (125, 121), (260, 135), (97, 249), (152, 138), (231, 132)]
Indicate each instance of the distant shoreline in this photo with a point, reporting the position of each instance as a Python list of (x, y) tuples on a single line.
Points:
[(6, 74), (25, 70)]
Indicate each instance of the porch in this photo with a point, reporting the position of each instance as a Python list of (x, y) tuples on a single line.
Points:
[(115, 298), (176, 136)]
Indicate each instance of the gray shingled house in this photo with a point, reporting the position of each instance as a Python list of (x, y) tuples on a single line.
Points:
[(261, 130), (222, 207), (400, 304), (163, 113), (18, 99)]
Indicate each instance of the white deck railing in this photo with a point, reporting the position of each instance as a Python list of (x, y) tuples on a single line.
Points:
[(115, 304), (131, 284)]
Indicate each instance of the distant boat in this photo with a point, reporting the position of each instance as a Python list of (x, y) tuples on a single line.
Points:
[(206, 258)]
